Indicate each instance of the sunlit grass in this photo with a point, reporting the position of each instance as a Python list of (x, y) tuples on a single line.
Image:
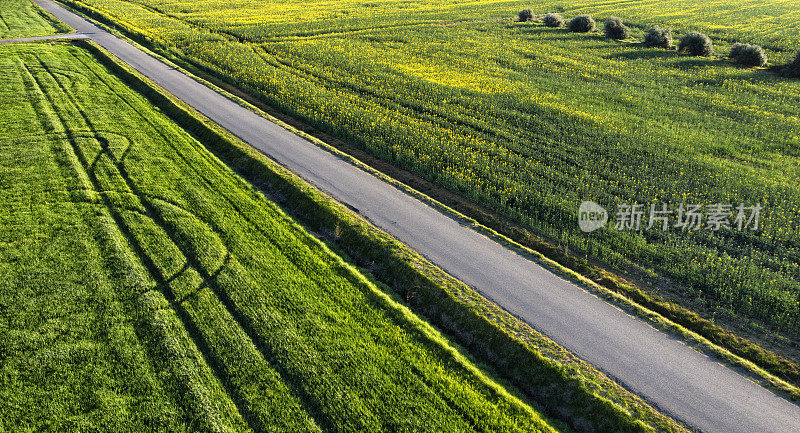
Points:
[(22, 18), (146, 287)]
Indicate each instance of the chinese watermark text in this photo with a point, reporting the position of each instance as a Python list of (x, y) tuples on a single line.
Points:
[(662, 216)]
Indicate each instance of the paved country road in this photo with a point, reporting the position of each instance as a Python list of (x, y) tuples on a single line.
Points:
[(687, 384)]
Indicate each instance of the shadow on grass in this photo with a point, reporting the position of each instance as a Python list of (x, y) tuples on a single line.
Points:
[(690, 63), (536, 29), (559, 33), (639, 52)]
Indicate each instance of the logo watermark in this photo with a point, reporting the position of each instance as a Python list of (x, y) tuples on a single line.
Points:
[(591, 216), (662, 216)]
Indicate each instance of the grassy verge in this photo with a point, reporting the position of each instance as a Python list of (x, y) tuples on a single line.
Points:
[(22, 18), (565, 386)]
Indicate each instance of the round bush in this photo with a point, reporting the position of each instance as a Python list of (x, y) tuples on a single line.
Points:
[(615, 29), (656, 37), (736, 50), (748, 55), (581, 24), (525, 15), (553, 20), (696, 44), (792, 69)]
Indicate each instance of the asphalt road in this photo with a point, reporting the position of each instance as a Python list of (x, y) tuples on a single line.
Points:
[(685, 383)]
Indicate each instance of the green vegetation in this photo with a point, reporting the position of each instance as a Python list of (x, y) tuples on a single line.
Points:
[(792, 68), (748, 55), (147, 287), (22, 18), (657, 37), (615, 29), (525, 15), (696, 44), (581, 24), (553, 20), (533, 129)]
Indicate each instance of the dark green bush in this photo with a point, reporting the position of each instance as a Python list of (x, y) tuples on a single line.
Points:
[(615, 29), (581, 24), (736, 50), (553, 20), (525, 15), (792, 69), (696, 44), (656, 37), (748, 55)]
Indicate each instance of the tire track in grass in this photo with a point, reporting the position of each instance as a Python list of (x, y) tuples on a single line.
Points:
[(161, 285), (3, 21), (113, 331), (436, 391), (71, 163), (152, 268), (241, 213), (309, 404), (215, 187), (75, 155), (207, 158)]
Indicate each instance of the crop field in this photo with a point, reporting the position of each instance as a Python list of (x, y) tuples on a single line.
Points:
[(530, 121), (145, 287), (21, 18)]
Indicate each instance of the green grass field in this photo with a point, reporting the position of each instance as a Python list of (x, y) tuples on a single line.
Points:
[(145, 287), (21, 18), (530, 121)]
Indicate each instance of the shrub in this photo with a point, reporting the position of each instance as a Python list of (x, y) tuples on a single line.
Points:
[(553, 20), (525, 15), (581, 24), (696, 44), (615, 29), (656, 37), (736, 50), (792, 69), (748, 55)]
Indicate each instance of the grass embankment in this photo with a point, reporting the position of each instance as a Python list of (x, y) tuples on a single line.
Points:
[(22, 19), (145, 286), (528, 121), (567, 387)]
